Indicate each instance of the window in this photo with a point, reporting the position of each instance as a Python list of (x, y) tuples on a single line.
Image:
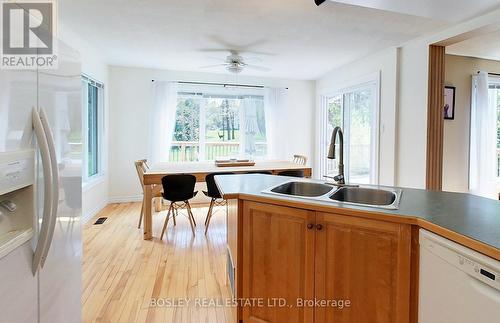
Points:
[(494, 99), (355, 111), (219, 124), (93, 122)]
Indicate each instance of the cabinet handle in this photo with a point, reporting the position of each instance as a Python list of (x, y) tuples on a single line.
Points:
[(319, 227), (310, 226)]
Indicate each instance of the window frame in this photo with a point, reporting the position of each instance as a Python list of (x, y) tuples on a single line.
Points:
[(86, 81), (371, 80), (201, 92)]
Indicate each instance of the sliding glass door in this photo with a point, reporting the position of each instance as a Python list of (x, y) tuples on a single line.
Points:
[(355, 111), (494, 101)]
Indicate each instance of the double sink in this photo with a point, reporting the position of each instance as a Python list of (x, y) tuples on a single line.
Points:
[(386, 198)]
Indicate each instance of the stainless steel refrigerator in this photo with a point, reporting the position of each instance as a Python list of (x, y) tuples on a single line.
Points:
[(40, 192)]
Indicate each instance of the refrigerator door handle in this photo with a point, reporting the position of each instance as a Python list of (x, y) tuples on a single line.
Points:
[(55, 183), (47, 200)]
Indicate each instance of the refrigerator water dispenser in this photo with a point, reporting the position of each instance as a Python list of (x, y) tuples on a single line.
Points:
[(16, 199)]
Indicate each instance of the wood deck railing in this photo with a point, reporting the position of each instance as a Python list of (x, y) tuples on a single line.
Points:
[(190, 150)]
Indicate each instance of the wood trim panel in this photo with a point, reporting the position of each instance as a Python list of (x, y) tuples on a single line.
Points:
[(403, 293), (435, 118), (414, 273)]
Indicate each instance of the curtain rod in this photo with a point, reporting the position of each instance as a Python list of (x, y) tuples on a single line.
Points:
[(224, 84), (494, 74)]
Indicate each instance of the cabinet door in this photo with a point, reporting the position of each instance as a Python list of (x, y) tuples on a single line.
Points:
[(364, 262), (278, 263)]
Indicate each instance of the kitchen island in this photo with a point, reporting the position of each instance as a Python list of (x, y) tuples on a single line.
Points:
[(325, 260)]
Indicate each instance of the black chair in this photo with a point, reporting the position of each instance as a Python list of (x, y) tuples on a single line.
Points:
[(264, 172), (292, 173), (178, 190), (214, 194)]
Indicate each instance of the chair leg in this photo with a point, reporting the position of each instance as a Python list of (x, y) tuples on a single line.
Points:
[(209, 210), (209, 215), (166, 222), (191, 217), (175, 213), (140, 218)]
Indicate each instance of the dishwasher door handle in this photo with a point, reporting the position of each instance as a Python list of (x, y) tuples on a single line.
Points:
[(485, 289)]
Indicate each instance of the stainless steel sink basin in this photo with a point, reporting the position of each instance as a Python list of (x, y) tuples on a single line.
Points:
[(304, 189), (366, 196), (370, 196)]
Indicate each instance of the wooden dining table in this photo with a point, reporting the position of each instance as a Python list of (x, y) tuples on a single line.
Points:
[(154, 175)]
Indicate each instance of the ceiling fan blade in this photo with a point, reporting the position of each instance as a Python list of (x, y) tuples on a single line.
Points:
[(244, 51), (252, 59), (212, 66), (219, 59), (213, 50), (258, 68), (218, 40), (319, 2)]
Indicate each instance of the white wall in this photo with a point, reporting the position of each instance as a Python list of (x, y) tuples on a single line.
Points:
[(385, 63), (411, 139), (95, 194), (130, 102), (459, 71)]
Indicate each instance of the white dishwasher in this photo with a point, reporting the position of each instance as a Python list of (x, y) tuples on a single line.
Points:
[(457, 285)]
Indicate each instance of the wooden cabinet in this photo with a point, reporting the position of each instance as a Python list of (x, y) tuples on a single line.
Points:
[(359, 268), (278, 263), (366, 263)]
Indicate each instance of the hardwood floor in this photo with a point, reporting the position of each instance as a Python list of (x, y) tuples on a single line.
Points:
[(124, 275)]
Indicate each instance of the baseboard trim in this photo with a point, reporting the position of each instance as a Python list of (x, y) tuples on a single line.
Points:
[(90, 214), (125, 199), (138, 198)]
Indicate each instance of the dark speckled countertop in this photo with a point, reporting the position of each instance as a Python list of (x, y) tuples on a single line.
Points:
[(468, 215)]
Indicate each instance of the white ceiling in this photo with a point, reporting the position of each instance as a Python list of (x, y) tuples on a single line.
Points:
[(446, 10), (486, 46), (301, 41)]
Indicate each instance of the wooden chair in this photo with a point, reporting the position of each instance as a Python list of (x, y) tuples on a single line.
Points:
[(141, 167), (299, 159)]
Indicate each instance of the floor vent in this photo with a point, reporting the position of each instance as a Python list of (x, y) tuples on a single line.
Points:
[(100, 221)]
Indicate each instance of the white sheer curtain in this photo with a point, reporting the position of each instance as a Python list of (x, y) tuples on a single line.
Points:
[(482, 172), (276, 134), (162, 120), (251, 127)]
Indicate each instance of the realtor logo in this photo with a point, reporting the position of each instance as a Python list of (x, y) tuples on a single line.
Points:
[(28, 30)]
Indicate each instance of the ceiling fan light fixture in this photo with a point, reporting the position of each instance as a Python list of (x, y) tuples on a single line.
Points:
[(319, 2), (234, 68)]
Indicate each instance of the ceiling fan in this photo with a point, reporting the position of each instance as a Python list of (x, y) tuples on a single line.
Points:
[(235, 63)]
